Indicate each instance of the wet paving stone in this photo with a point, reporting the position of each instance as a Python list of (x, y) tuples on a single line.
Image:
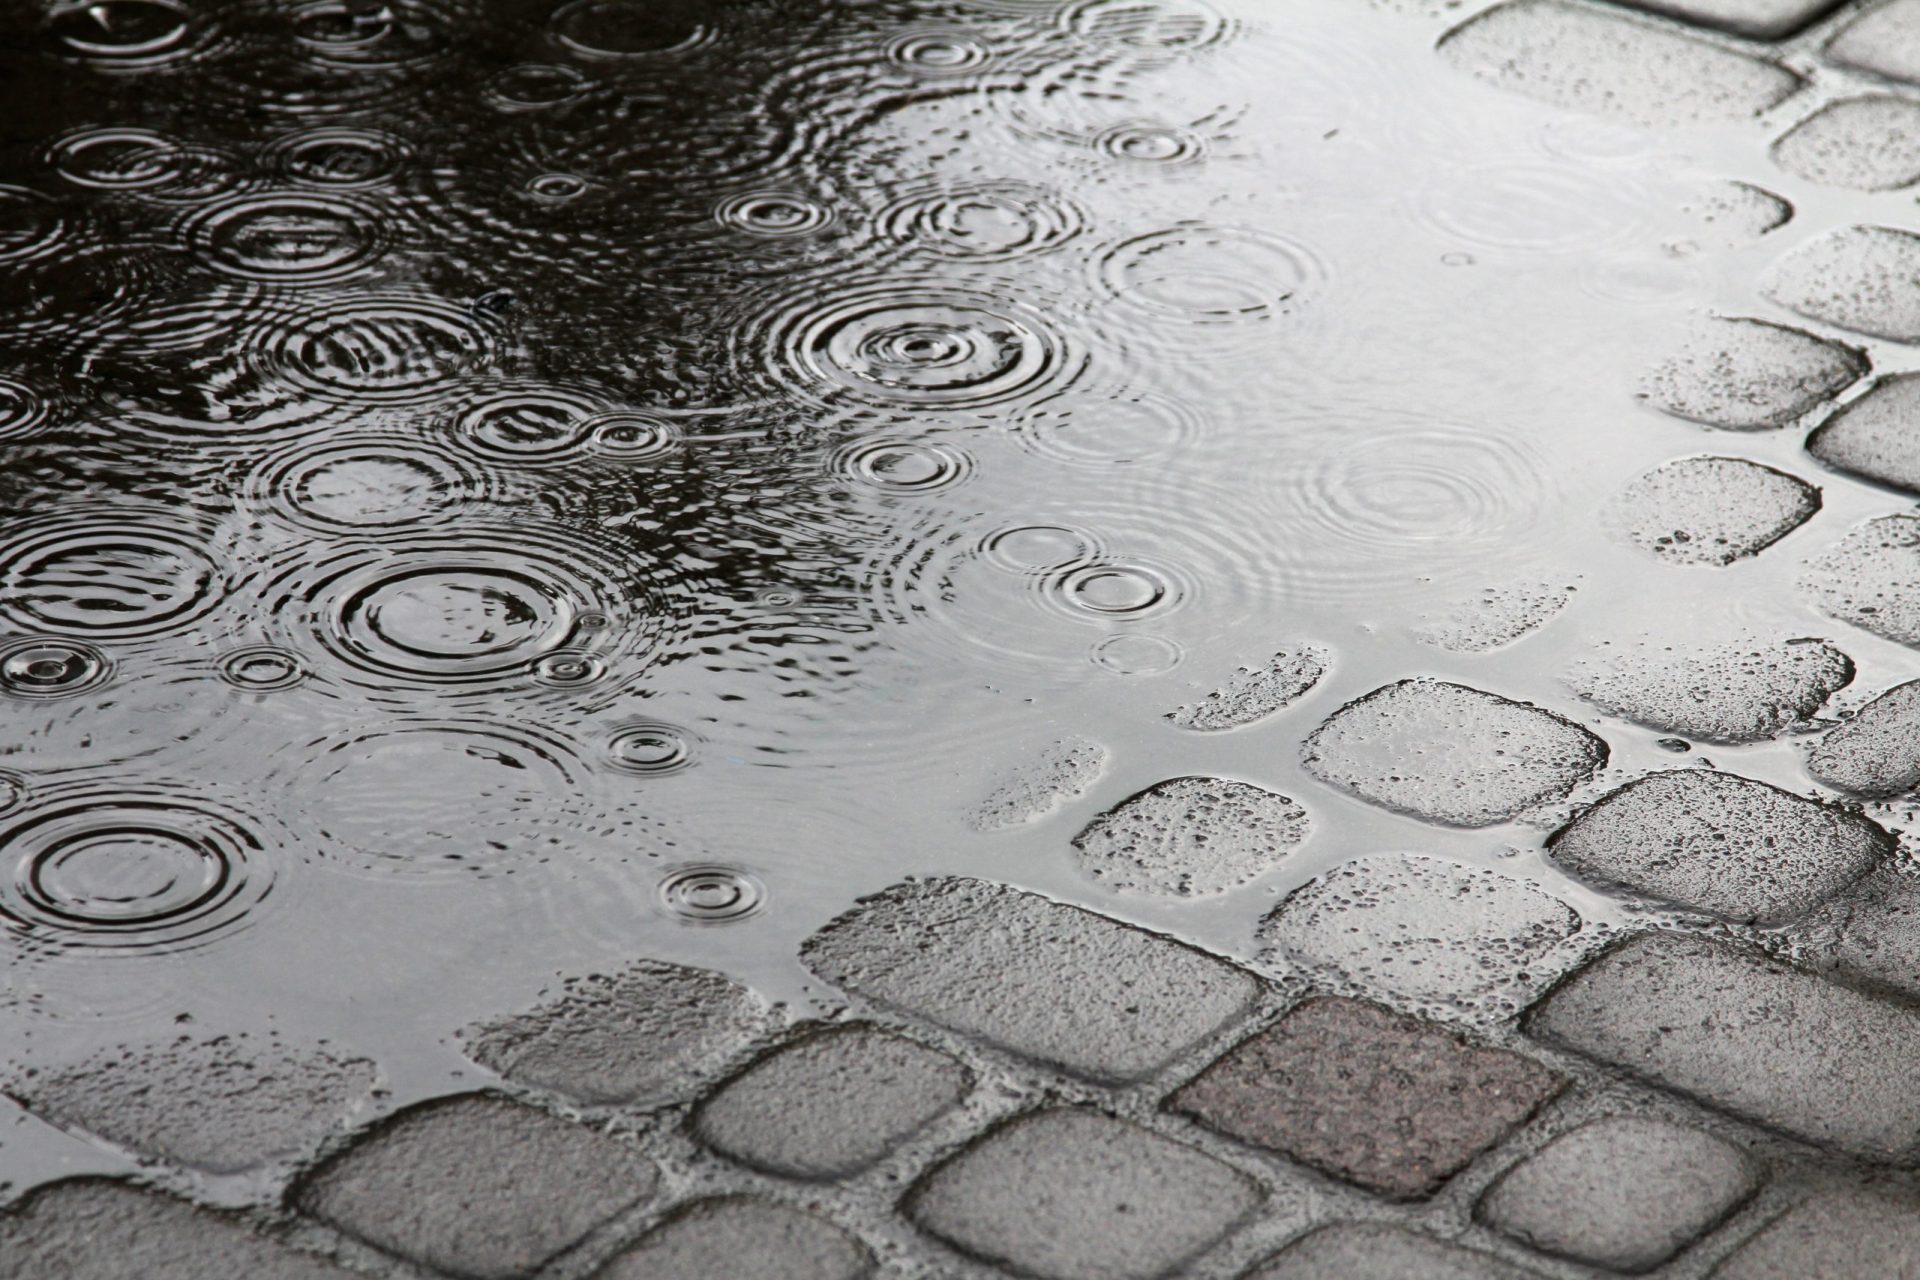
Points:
[(1714, 693), (1711, 511), (1575, 56), (1379, 1251), (1871, 578), (1191, 836), (1877, 752), (1870, 933), (1496, 616), (1252, 694), (831, 1104), (477, 1186), (1038, 978), (98, 1229), (1832, 1233), (1625, 1193), (1076, 1195), (1737, 213), (1884, 40), (742, 1239), (1723, 1023), (1378, 1099), (1875, 437), (1061, 772), (1722, 844), (1451, 754), (1855, 278), (1756, 19), (1749, 375), (1866, 144)]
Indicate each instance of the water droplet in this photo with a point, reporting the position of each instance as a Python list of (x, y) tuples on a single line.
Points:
[(1137, 655), (938, 52), (1202, 275), (530, 87), (650, 749), (615, 29), (1038, 547), (105, 573), (367, 481), (556, 188), (274, 236), (132, 32), (990, 221), (360, 347), (527, 426), (262, 669), (775, 214), (118, 159), (44, 667), (14, 792), (1148, 26), (903, 466), (338, 158), (1154, 143), (22, 410), (1115, 589), (711, 894), (30, 224), (632, 437), (569, 669), (1117, 428)]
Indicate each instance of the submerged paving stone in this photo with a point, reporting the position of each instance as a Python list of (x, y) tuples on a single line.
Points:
[(1725, 1024), (97, 1229), (1061, 772), (1838, 1234), (1871, 932), (648, 1031), (1749, 375), (1378, 1251), (1877, 753), (1384, 1101), (1254, 693), (742, 1239), (831, 1104), (1884, 39), (1076, 1195), (1712, 511), (1574, 56), (1866, 279), (1871, 578), (1737, 213), (1497, 616), (1758, 19), (1625, 1193), (1191, 836), (1867, 144), (1451, 754), (1714, 693), (1876, 437), (477, 1186), (1032, 976)]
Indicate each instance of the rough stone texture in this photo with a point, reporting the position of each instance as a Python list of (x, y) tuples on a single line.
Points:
[(1573, 56), (1871, 932), (1712, 511), (742, 1239), (1884, 39), (96, 1229), (1735, 1029), (1625, 1193), (1075, 1195), (1032, 976), (1254, 693), (1061, 772), (1714, 693), (1877, 437), (1419, 927), (1866, 279), (1737, 213), (649, 1031), (1757, 19), (477, 1186), (1387, 1102), (1867, 144), (1721, 843), (1377, 1251), (1451, 754), (1748, 375), (1877, 753), (222, 1105), (1497, 616), (1191, 836), (831, 1104), (1845, 1235), (1871, 578)]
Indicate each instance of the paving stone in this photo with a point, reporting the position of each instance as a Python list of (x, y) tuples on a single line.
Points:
[(1495, 617), (1574, 56), (1866, 144), (1877, 753), (1062, 771), (1736, 213), (1190, 836), (1748, 375), (831, 1104), (1625, 1193), (1871, 578), (1033, 976), (1388, 1102), (1075, 1195), (1835, 1235), (1757, 19), (1377, 1251), (1254, 693), (1725, 1024), (1712, 511), (477, 1186), (648, 1032), (98, 1229), (1876, 436), (1871, 932), (1720, 843), (1418, 927), (1714, 693), (1866, 279), (742, 1239), (1451, 754), (1884, 39)]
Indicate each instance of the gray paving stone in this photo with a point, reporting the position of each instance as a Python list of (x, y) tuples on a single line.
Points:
[(1736, 213), (742, 1239), (1384, 1101), (1039, 978), (1835, 1235), (1496, 616), (1451, 754), (1060, 772), (649, 1032), (477, 1186), (832, 1103), (1377, 1251), (1191, 836), (1720, 843), (1254, 693), (1076, 1195), (1877, 752), (1625, 1193), (97, 1229), (1757, 19), (1748, 375), (1876, 437), (1871, 578), (1712, 511), (1725, 1024), (1866, 144), (1583, 57), (1866, 279), (1713, 693), (1884, 39), (1871, 933)]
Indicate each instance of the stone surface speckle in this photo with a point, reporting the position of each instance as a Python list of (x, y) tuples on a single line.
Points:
[(1252, 694), (1862, 278), (1877, 752), (1713, 692), (1871, 578), (1748, 375), (1711, 511), (1191, 836), (742, 1239)]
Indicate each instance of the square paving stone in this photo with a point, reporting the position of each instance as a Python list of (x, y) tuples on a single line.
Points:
[(1076, 1195), (1871, 578), (1711, 511), (1727, 1025), (1388, 1102), (1877, 752), (1866, 279), (1032, 976), (1720, 843), (831, 1104), (1758, 19), (1835, 1235), (1884, 39), (1748, 375), (739, 1238), (477, 1186), (98, 1229), (1877, 437), (1865, 144), (1377, 1251), (1625, 1193)]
